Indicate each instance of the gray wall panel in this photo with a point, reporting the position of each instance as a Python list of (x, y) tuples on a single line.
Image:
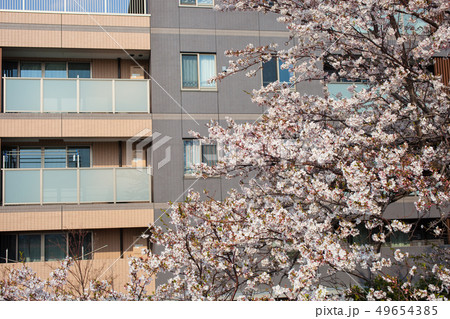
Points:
[(199, 102), (167, 184), (198, 126), (164, 13), (237, 21), (189, 18), (166, 95), (197, 43)]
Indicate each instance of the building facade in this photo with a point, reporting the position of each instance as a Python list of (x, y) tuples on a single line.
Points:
[(98, 99)]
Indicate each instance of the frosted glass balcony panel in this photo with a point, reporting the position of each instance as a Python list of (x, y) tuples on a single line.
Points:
[(96, 185), (132, 185), (23, 95), (60, 186), (22, 186), (131, 96), (336, 88), (95, 96), (60, 95)]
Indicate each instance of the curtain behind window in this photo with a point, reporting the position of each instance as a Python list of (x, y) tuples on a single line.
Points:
[(189, 69), (209, 154), (207, 70), (191, 155)]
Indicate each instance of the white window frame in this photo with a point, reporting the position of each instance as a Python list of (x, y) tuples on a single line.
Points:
[(197, 5), (199, 87), (200, 156)]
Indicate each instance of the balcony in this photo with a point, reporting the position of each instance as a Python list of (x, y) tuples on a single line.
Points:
[(339, 90), (75, 185), (46, 95), (77, 6)]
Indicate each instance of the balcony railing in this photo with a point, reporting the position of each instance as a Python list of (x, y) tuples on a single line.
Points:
[(76, 95), (87, 6), (75, 185)]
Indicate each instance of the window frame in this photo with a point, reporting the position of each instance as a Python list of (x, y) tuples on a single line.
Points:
[(188, 174), (43, 69), (278, 60), (196, 5), (43, 246), (199, 87), (42, 149)]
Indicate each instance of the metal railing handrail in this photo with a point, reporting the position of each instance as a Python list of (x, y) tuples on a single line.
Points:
[(133, 7)]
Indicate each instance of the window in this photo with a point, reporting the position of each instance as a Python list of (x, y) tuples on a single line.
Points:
[(197, 69), (80, 245), (79, 70), (56, 70), (197, 3), (29, 248), (272, 72), (8, 249), (10, 69), (45, 246), (55, 247), (195, 152), (47, 157)]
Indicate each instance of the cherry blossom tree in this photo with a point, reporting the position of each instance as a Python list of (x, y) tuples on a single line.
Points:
[(316, 171)]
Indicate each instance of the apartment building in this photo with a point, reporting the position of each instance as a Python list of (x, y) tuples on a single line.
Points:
[(98, 99), (74, 89)]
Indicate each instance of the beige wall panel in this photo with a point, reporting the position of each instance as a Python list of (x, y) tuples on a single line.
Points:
[(22, 127), (30, 38), (73, 125), (57, 217), (104, 69), (106, 20), (105, 154), (109, 238), (103, 40), (103, 127), (79, 219), (26, 29), (126, 64), (133, 242), (35, 219), (30, 17)]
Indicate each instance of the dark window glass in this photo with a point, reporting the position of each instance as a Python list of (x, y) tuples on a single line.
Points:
[(80, 245), (189, 2), (189, 71), (29, 248), (10, 157), (30, 70), (8, 248), (30, 158), (55, 70), (55, 157), (270, 72), (79, 157), (10, 69), (79, 70), (209, 154), (55, 247)]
